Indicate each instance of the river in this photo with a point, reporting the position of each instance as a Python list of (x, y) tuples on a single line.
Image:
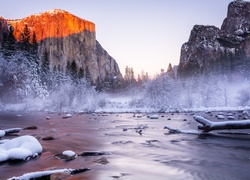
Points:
[(151, 154)]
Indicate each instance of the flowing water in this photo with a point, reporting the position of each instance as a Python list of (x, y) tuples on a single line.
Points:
[(151, 154)]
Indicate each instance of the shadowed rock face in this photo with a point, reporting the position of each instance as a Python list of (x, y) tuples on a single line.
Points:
[(207, 44), (237, 17), (69, 38), (201, 47), (3, 28)]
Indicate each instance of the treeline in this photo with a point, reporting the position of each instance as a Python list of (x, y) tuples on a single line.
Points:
[(24, 75), (234, 64)]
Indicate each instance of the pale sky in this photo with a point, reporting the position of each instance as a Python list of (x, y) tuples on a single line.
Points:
[(142, 34)]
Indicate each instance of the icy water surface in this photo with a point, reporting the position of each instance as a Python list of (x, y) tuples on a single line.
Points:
[(152, 153)]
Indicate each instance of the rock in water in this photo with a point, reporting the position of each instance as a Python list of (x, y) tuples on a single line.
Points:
[(59, 176), (48, 138), (221, 117), (30, 128), (67, 155), (67, 116), (102, 160), (154, 116), (94, 153)]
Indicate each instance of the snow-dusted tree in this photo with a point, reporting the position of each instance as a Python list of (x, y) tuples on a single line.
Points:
[(129, 76), (8, 44), (170, 71), (34, 45), (25, 39), (243, 96)]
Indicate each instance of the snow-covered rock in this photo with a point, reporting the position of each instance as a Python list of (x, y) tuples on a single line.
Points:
[(69, 153), (2, 133), (154, 116), (139, 116), (20, 148), (12, 130), (66, 155), (230, 117), (221, 117), (67, 116)]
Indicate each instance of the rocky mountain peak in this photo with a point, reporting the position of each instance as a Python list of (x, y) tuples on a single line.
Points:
[(237, 20), (69, 40), (54, 23), (210, 47), (56, 11)]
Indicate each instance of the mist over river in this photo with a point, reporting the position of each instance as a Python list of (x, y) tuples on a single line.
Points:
[(137, 147)]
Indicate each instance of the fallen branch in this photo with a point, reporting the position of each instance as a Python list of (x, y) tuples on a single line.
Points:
[(47, 174), (9, 131), (179, 131), (12, 130), (207, 125)]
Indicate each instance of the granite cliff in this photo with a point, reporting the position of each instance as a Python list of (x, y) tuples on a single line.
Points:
[(68, 38), (222, 50)]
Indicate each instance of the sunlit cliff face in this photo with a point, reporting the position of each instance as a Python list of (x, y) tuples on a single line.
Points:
[(68, 39), (52, 24)]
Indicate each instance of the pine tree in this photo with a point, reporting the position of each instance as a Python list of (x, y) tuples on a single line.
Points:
[(68, 68), (34, 44), (45, 62), (45, 74), (25, 39), (8, 43), (73, 70), (88, 75), (129, 75), (170, 71), (81, 73)]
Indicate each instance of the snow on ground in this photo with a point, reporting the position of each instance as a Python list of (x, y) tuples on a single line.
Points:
[(40, 174), (110, 104), (2, 133), (20, 148)]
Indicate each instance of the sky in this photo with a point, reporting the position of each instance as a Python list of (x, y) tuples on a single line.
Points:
[(145, 35)]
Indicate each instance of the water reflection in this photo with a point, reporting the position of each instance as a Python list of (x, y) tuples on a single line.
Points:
[(153, 154)]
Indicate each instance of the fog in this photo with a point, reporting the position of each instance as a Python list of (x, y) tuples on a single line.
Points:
[(24, 88)]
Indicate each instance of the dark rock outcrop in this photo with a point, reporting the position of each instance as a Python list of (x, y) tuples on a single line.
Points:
[(68, 39), (3, 28), (201, 48), (224, 50)]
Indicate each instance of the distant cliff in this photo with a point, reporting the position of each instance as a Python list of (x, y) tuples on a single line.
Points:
[(224, 50), (68, 38)]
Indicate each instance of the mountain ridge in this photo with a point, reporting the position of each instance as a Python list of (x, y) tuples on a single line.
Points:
[(224, 50), (68, 39), (56, 16)]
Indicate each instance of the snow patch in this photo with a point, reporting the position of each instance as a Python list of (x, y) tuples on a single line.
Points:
[(2, 133), (220, 117), (154, 116), (34, 175), (69, 153), (20, 148)]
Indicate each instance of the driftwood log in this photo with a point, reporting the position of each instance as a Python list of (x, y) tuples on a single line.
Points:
[(12, 130), (49, 174), (207, 125)]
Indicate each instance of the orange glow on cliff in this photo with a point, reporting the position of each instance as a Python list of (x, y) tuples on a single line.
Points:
[(52, 24)]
